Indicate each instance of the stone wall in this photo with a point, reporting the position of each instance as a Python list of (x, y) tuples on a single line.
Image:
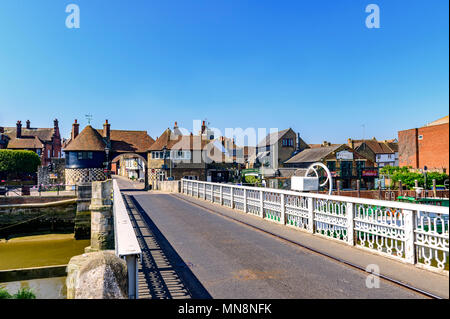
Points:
[(55, 176), (168, 186), (84, 175), (23, 219), (102, 223), (11, 200)]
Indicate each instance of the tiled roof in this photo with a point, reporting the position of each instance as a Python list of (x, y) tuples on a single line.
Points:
[(44, 134), (123, 141), (31, 142), (377, 147), (312, 154), (272, 138), (182, 142), (89, 139), (442, 120)]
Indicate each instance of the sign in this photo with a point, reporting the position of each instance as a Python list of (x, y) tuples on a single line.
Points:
[(53, 176), (370, 172), (344, 155)]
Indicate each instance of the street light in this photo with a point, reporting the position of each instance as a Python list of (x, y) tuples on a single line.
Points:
[(107, 161)]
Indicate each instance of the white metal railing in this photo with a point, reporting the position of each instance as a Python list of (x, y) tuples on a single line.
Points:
[(126, 243), (413, 233)]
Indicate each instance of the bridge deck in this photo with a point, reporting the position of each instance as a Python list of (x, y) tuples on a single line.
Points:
[(207, 255)]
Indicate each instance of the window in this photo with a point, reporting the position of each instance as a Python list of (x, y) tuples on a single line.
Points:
[(288, 142), (39, 151), (85, 155), (331, 166)]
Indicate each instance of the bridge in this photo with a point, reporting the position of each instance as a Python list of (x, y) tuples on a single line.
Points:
[(225, 241)]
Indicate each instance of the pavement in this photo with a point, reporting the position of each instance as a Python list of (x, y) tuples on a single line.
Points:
[(219, 257)]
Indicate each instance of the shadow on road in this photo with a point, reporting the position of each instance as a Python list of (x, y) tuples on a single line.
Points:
[(166, 275)]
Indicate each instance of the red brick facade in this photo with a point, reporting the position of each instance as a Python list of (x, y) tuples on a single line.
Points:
[(425, 146)]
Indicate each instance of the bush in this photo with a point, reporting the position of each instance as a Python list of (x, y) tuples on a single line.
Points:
[(23, 293), (19, 162), (250, 179), (4, 294), (408, 178)]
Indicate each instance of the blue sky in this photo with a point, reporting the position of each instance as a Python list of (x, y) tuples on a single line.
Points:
[(309, 65)]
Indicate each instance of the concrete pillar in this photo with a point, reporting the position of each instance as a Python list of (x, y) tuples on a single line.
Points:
[(102, 228)]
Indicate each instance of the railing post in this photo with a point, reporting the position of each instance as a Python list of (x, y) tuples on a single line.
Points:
[(350, 224), (409, 236), (261, 202), (204, 191), (198, 189), (221, 195), (212, 193), (245, 200), (310, 215), (232, 196), (283, 208)]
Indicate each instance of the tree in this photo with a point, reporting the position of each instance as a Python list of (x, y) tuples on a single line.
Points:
[(16, 162)]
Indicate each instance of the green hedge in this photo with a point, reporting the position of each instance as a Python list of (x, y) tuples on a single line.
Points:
[(19, 162), (408, 178)]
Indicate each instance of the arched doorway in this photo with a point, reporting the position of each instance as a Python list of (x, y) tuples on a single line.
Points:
[(133, 166)]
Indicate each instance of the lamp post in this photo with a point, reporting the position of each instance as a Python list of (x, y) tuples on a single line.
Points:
[(107, 161), (165, 156)]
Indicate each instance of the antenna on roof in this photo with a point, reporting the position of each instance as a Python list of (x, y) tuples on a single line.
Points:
[(89, 118)]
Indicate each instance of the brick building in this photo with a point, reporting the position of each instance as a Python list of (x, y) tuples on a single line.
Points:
[(383, 153), (425, 146), (46, 142)]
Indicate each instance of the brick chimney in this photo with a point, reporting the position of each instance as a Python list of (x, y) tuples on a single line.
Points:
[(55, 127), (19, 129), (203, 127), (350, 143), (75, 130), (28, 124), (107, 130)]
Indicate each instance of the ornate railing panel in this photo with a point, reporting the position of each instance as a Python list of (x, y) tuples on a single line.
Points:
[(414, 233)]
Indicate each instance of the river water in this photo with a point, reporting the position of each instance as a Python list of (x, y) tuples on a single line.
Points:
[(39, 251)]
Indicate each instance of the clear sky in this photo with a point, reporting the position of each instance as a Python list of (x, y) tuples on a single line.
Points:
[(311, 65)]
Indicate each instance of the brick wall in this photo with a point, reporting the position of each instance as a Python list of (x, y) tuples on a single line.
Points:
[(425, 146)]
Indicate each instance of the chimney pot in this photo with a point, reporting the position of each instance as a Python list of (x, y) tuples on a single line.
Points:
[(75, 129), (107, 130), (19, 129), (28, 124)]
